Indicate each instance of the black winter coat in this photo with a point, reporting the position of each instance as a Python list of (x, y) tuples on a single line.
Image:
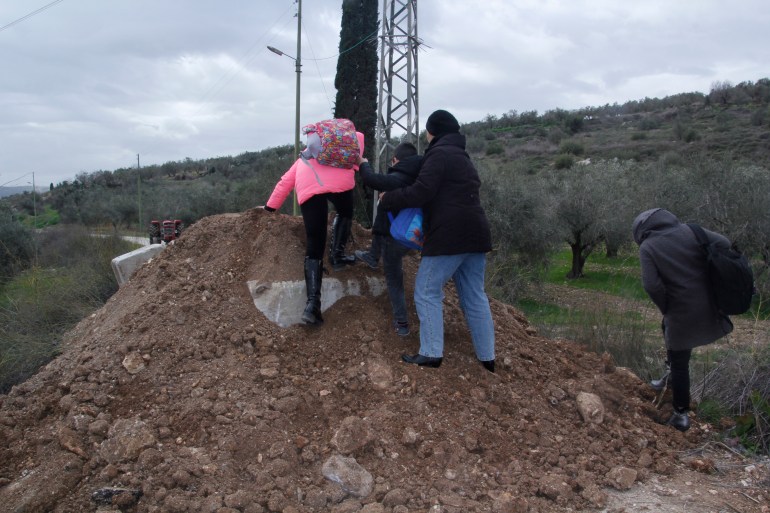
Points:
[(447, 189), (401, 175)]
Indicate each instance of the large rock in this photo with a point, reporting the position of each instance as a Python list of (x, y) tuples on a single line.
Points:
[(126, 439), (352, 477), (352, 435), (590, 407)]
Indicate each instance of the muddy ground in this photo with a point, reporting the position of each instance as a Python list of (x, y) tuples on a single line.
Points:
[(180, 396)]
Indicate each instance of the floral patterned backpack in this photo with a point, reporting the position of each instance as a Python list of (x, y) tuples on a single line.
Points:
[(339, 144)]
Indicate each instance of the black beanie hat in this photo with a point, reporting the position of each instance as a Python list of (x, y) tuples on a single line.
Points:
[(442, 122)]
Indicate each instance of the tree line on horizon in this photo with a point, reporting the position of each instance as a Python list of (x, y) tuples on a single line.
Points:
[(619, 159)]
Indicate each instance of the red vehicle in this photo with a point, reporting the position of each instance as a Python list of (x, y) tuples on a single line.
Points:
[(165, 231)]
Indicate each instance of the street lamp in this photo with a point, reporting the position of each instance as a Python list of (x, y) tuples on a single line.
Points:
[(298, 67)]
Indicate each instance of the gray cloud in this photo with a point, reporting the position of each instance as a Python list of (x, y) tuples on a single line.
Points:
[(89, 84)]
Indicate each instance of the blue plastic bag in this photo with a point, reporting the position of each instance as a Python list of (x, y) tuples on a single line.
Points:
[(406, 228)]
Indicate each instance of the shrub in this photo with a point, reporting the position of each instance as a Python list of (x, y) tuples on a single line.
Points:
[(685, 133), (475, 145), (40, 305), (555, 136), (723, 121), (759, 115), (638, 136), (649, 123), (711, 411), (495, 148), (573, 124), (563, 161), (572, 148), (17, 249), (738, 382), (691, 136)]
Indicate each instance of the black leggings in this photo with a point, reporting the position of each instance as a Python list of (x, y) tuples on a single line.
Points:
[(680, 378), (315, 213)]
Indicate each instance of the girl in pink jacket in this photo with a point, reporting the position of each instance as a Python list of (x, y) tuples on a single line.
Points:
[(317, 185)]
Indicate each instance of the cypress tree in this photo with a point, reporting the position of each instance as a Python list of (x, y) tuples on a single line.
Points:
[(357, 68), (356, 79)]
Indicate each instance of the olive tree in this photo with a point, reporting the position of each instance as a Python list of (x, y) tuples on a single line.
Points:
[(523, 237), (589, 203)]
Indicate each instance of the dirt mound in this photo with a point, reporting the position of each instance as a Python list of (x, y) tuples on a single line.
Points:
[(179, 396)]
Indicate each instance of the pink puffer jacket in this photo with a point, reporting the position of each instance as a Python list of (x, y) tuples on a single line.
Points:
[(312, 178)]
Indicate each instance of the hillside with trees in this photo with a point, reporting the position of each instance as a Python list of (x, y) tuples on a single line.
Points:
[(575, 177), (556, 181)]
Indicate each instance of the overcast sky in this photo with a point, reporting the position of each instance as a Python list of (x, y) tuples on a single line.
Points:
[(87, 85)]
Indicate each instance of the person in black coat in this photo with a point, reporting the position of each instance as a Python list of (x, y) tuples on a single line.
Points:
[(457, 238), (403, 172)]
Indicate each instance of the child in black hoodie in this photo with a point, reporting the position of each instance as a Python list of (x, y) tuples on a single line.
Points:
[(403, 172)]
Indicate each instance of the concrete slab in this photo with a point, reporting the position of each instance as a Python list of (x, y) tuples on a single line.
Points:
[(283, 302), (124, 266)]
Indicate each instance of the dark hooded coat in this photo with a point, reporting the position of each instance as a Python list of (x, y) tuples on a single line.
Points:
[(674, 274), (447, 189)]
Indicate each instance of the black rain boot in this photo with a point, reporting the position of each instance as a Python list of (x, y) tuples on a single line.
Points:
[(313, 280), (340, 234)]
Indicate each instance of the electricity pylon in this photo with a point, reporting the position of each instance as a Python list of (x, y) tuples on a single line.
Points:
[(397, 107)]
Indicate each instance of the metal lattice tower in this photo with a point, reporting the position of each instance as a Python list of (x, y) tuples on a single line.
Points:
[(397, 100)]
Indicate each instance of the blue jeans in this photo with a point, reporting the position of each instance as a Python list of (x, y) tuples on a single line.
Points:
[(467, 270), (392, 256)]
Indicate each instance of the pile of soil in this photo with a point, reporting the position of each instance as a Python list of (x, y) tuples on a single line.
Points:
[(180, 396)]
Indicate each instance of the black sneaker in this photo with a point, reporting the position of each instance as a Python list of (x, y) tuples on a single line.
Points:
[(680, 420), (402, 328), (366, 258)]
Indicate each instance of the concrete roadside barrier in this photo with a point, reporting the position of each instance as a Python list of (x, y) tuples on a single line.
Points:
[(124, 266)]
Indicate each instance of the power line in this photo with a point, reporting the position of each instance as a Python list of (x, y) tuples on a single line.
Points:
[(361, 41), (225, 78), (38, 11), (318, 70)]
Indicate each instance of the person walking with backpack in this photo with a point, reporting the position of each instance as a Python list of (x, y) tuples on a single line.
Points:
[(403, 172), (317, 185), (675, 276), (457, 238)]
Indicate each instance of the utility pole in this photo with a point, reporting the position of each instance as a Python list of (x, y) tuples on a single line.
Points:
[(298, 68), (139, 189), (298, 64), (397, 105), (34, 203)]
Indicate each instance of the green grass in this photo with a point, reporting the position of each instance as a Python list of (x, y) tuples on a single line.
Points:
[(549, 314), (543, 313), (631, 341), (46, 216), (619, 276)]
